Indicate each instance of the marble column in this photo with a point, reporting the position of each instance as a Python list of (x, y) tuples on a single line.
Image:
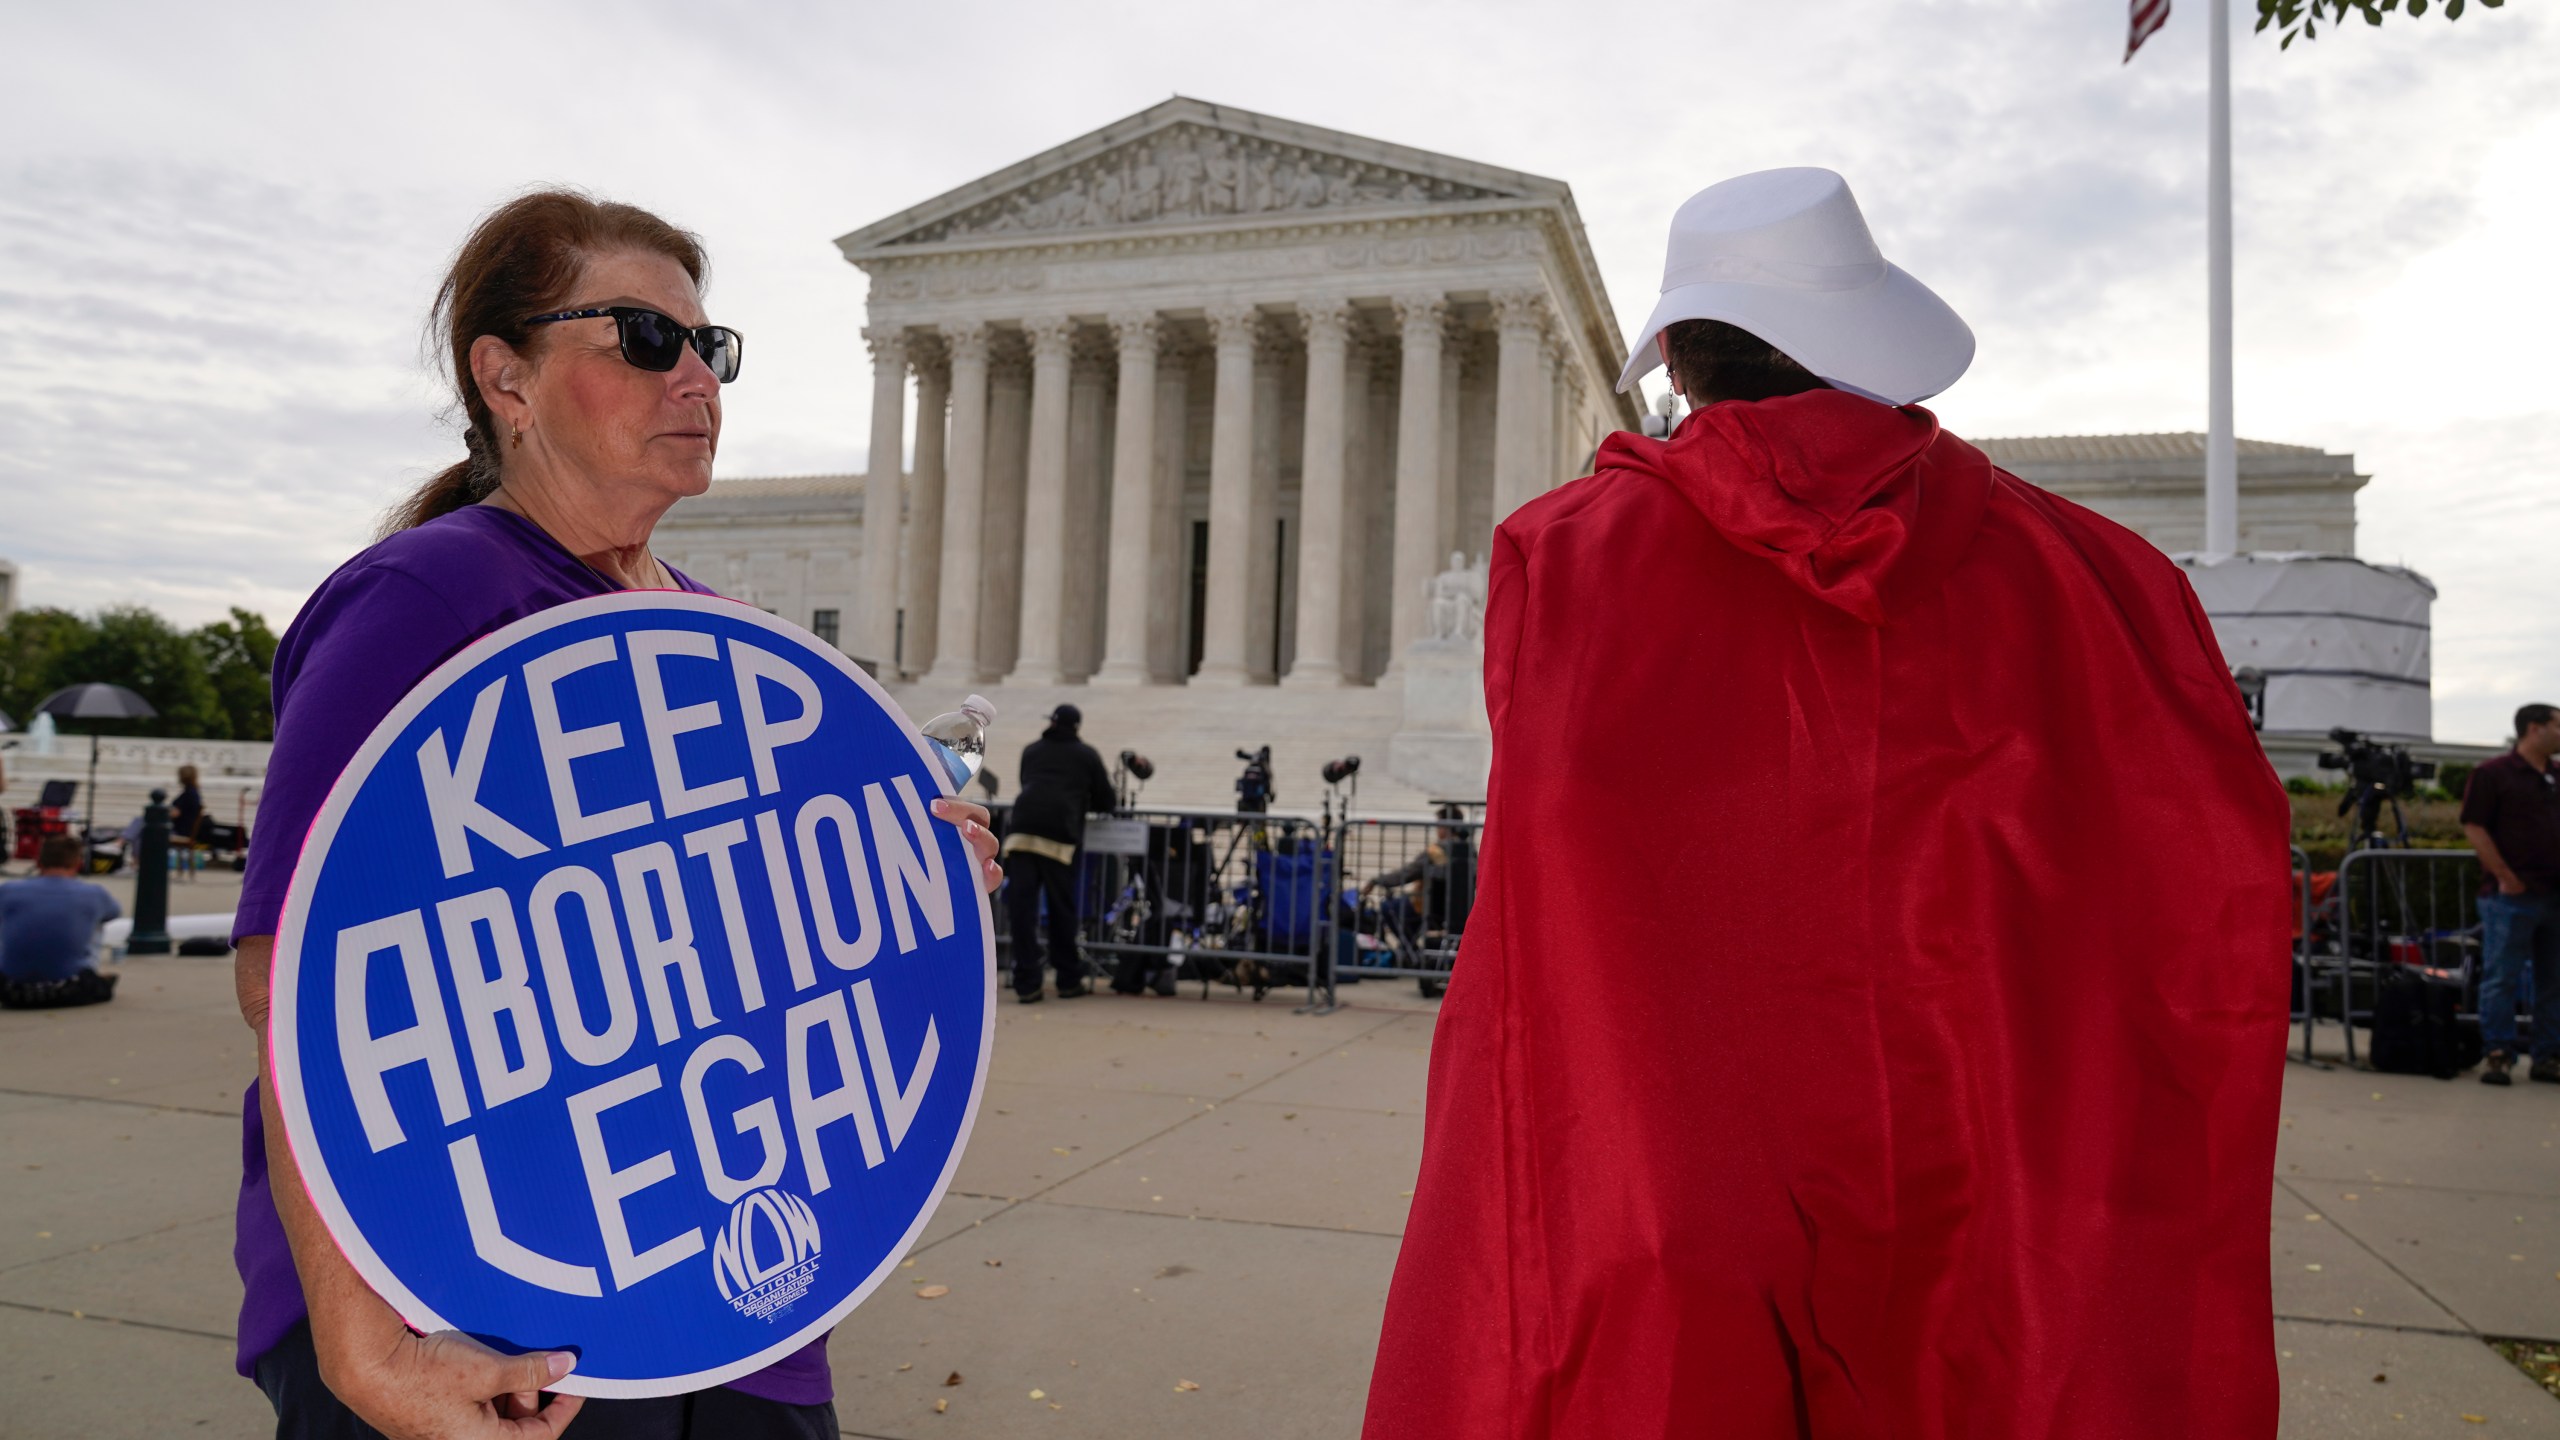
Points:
[(883, 497), (1550, 470), (921, 573), (1169, 582), (1420, 318), (1088, 546), (1226, 622), (1133, 505), (1359, 485), (1044, 504), (1323, 498), (1008, 462), (964, 499), (1521, 396), (1267, 615)]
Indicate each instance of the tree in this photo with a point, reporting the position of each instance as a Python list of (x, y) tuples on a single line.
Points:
[(2301, 18), (31, 648), (238, 655), (131, 646)]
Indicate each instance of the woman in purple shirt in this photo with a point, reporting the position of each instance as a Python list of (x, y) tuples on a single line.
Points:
[(590, 391)]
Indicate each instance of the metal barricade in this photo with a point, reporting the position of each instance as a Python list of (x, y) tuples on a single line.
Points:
[(2406, 907), (1221, 897), (1414, 887)]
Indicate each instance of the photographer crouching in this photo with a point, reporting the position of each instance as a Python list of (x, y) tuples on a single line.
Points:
[(1062, 780), (2511, 811)]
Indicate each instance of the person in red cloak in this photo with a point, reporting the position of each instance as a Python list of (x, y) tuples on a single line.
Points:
[(1910, 1068)]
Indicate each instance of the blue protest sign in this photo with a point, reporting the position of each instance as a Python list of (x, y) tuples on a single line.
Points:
[(629, 1000)]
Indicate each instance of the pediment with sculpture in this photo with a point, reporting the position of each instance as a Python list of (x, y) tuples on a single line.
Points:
[(1192, 172)]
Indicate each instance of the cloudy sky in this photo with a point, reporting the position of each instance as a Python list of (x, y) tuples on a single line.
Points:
[(220, 227)]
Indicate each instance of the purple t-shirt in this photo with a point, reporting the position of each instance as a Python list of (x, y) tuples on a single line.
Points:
[(373, 630)]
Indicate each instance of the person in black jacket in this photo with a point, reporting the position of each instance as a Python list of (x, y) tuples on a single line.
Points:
[(1062, 779)]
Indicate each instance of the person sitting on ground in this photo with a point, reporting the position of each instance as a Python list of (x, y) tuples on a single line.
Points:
[(1062, 780), (49, 933), (2511, 811)]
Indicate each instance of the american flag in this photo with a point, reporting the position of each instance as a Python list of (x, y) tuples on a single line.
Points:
[(2148, 15)]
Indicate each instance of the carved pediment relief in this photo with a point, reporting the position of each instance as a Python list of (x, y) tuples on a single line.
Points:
[(1192, 172)]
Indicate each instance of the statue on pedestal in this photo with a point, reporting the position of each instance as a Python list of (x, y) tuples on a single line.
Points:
[(1457, 599)]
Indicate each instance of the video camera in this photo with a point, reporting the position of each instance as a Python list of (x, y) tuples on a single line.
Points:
[(1253, 787), (2373, 765), (2376, 773)]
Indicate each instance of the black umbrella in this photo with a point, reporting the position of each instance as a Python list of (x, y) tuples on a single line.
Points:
[(94, 701)]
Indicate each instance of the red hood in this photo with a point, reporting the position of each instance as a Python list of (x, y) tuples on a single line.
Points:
[(1854, 501)]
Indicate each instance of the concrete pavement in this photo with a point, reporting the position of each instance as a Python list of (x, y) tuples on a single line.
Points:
[(1164, 1192)]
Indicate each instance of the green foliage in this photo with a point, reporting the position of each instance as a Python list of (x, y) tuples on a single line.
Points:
[(2452, 776), (2310, 785), (31, 647), (2301, 18), (210, 683), (238, 654)]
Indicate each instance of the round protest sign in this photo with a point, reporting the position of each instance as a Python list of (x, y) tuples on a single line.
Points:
[(629, 1000)]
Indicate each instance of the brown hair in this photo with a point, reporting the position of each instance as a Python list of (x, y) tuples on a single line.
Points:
[(1715, 361), (58, 852), (520, 261), (186, 774)]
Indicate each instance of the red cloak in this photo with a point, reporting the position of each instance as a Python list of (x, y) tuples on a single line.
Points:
[(1871, 1022)]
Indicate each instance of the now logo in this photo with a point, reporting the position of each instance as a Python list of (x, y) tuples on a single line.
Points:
[(787, 1229)]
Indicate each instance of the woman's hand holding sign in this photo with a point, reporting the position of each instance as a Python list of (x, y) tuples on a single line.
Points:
[(971, 820)]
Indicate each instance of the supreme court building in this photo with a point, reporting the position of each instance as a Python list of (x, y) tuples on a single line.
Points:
[(1205, 402), (1209, 395)]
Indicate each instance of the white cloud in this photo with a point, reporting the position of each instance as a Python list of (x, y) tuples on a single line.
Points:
[(219, 229)]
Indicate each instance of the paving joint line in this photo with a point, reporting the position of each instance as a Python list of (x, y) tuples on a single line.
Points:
[(105, 1245), (1222, 1219), (112, 1320), (1017, 1201), (2379, 1325), (2384, 1260), (111, 1100), (2368, 1181)]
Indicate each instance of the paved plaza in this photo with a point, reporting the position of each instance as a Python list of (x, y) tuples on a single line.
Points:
[(1165, 1194)]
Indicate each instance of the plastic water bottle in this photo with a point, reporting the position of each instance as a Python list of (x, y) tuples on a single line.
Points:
[(959, 739)]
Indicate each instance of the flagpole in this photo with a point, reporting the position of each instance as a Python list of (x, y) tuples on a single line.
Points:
[(2221, 449)]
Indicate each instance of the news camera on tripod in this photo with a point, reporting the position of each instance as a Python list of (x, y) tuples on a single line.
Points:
[(2377, 773)]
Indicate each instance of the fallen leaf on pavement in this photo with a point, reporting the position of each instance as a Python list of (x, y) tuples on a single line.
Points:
[(933, 1292), (997, 1264), (940, 1406), (2477, 1419), (1186, 1386), (954, 1380), (1039, 1394), (910, 1365)]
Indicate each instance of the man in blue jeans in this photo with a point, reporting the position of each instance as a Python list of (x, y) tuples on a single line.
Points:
[(2511, 811)]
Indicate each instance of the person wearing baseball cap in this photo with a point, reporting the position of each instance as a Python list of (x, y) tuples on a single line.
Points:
[(1062, 780), (1925, 1084)]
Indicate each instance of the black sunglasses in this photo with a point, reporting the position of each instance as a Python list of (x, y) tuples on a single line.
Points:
[(653, 341)]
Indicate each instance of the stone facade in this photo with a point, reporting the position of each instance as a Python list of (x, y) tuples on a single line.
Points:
[(791, 545), (1205, 396), (2292, 497)]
